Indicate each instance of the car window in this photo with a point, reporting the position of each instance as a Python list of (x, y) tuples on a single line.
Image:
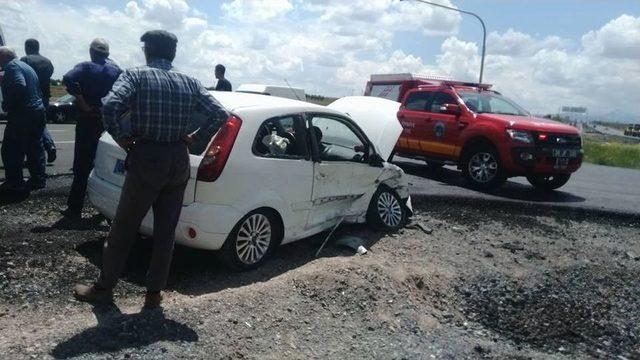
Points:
[(337, 141), (281, 137), (205, 131), (441, 98), (418, 101)]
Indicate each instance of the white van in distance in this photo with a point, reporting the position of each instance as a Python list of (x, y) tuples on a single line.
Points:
[(273, 90)]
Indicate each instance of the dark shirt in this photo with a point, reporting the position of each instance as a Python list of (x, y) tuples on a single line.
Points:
[(92, 80), (162, 103), (44, 68), (223, 85), (20, 88)]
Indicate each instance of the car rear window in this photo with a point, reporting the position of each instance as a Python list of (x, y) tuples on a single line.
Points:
[(281, 137)]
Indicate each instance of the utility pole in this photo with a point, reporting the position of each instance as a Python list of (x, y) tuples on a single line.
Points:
[(484, 30)]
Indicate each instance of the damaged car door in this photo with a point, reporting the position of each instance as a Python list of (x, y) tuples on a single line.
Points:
[(337, 150)]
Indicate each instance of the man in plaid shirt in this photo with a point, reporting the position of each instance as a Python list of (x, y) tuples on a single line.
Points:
[(161, 102)]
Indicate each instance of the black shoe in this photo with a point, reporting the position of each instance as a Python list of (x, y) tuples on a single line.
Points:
[(52, 155), (32, 185), (72, 214), (5, 186)]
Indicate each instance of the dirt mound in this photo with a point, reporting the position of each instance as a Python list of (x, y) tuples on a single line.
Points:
[(592, 309)]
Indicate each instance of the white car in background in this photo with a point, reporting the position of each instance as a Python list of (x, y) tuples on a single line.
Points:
[(277, 171)]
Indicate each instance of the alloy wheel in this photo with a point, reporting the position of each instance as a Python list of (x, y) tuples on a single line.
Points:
[(253, 239), (60, 117), (389, 209), (483, 167)]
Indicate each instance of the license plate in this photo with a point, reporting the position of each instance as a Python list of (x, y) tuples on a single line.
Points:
[(564, 153), (561, 163), (119, 167)]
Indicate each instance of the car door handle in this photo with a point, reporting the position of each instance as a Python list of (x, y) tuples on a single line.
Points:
[(428, 119), (462, 124), (321, 176)]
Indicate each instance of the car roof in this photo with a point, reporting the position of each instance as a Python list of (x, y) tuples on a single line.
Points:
[(235, 100)]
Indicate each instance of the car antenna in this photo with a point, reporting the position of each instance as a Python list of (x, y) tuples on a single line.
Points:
[(290, 88)]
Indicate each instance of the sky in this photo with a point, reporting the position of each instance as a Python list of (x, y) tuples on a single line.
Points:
[(542, 53)]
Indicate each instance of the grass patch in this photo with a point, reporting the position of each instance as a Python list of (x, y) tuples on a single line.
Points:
[(612, 154)]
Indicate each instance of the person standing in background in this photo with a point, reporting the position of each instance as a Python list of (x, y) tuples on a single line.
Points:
[(22, 100), (44, 68), (223, 83), (89, 82)]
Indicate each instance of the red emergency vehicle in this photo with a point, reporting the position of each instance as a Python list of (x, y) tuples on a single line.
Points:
[(488, 136)]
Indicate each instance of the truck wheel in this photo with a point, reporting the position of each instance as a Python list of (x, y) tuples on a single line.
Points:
[(386, 210), (548, 182), (481, 167)]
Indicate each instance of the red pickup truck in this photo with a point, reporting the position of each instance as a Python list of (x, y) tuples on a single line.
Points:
[(488, 136)]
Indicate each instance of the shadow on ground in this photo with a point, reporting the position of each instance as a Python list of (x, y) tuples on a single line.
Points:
[(510, 190), (117, 331), (196, 272)]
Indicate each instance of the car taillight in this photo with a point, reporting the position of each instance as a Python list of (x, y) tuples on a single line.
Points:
[(218, 152)]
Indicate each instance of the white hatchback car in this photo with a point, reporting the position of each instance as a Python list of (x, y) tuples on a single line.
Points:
[(278, 170)]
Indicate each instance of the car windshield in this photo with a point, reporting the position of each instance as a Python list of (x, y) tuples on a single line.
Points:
[(490, 102)]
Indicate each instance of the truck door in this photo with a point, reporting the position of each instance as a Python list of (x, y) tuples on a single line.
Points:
[(415, 121), (443, 130)]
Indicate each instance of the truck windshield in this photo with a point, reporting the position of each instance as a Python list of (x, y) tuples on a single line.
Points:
[(490, 102)]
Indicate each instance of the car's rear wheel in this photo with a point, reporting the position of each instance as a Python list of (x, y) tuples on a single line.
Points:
[(482, 169), (386, 210), (252, 240), (548, 182), (59, 117)]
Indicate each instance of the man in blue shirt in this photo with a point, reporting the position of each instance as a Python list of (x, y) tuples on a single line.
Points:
[(22, 100), (161, 102), (89, 82)]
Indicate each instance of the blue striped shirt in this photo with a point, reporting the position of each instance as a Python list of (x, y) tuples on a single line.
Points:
[(162, 103)]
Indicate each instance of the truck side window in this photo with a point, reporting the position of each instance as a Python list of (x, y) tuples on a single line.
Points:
[(441, 98), (418, 101)]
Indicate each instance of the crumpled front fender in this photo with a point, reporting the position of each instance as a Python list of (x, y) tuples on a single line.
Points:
[(391, 176)]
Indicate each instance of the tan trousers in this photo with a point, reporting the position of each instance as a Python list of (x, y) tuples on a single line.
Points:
[(156, 178)]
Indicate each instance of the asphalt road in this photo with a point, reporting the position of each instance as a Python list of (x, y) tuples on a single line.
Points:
[(611, 131), (592, 187)]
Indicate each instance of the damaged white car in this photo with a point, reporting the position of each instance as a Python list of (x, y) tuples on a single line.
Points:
[(276, 171)]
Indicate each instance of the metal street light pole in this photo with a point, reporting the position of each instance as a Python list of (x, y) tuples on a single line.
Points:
[(484, 30)]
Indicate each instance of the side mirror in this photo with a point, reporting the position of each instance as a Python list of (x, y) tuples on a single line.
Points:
[(376, 160), (453, 109)]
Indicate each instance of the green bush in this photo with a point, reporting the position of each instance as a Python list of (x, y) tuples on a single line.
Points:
[(612, 154)]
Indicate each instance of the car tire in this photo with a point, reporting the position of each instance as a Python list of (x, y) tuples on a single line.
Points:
[(252, 240), (482, 168), (59, 117), (386, 210), (548, 182)]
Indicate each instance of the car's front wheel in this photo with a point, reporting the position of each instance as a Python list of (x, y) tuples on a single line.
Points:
[(482, 169), (386, 210), (252, 240), (548, 182)]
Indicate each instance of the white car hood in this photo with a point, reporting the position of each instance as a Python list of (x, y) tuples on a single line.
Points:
[(377, 117)]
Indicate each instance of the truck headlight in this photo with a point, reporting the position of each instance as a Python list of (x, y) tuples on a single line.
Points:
[(521, 136)]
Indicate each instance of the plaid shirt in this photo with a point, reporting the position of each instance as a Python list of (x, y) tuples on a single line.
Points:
[(162, 102)]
